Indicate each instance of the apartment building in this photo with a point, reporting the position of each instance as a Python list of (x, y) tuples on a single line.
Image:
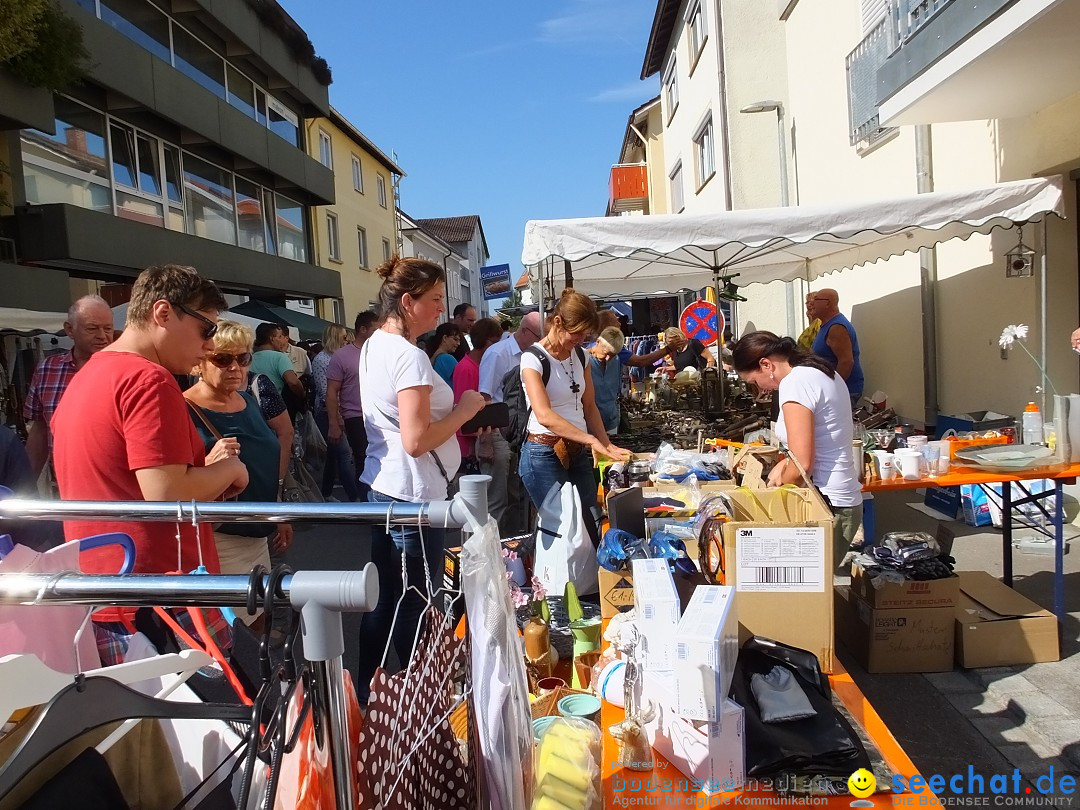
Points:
[(185, 142), (465, 234), (637, 183), (359, 231), (422, 243)]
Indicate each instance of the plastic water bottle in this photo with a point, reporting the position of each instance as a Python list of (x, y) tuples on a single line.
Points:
[(1032, 424)]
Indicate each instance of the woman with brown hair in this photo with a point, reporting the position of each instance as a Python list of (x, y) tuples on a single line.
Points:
[(412, 452), (815, 423), (441, 350), (563, 418)]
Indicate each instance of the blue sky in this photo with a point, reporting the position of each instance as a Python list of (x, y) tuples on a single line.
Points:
[(510, 110)]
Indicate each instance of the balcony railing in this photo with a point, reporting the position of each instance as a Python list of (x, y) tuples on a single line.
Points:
[(628, 187), (862, 67), (908, 16)]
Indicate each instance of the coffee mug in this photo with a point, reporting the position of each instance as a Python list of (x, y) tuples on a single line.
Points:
[(909, 463), (885, 465)]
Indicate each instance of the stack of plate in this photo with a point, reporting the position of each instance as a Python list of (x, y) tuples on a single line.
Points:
[(1007, 457)]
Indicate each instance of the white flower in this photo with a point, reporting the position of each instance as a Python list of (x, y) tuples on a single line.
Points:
[(1012, 333)]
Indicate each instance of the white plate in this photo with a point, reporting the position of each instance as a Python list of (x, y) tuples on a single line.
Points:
[(1007, 457)]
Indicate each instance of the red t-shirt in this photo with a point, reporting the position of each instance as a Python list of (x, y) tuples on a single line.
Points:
[(124, 414)]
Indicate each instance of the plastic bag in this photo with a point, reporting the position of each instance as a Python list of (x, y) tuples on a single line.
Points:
[(568, 766), (312, 443), (564, 550)]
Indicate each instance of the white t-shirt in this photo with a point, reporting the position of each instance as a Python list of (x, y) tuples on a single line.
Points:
[(496, 363), (388, 364), (833, 471), (565, 375)]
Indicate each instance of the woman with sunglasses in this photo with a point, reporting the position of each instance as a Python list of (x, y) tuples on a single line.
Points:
[(221, 407)]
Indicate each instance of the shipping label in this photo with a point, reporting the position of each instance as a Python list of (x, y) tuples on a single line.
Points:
[(780, 560)]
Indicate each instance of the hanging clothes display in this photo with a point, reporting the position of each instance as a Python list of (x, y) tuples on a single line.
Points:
[(409, 756)]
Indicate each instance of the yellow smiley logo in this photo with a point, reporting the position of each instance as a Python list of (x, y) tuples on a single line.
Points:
[(861, 783)]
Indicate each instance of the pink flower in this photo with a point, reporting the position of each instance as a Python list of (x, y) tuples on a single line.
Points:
[(509, 555), (538, 591), (518, 597)]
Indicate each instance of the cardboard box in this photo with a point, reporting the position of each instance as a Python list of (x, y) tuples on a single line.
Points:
[(706, 647), (658, 611), (778, 556), (895, 640), (711, 754), (996, 626), (913, 593), (616, 592)]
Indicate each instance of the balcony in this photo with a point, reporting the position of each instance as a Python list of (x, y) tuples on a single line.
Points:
[(862, 65), (961, 60), (628, 188)]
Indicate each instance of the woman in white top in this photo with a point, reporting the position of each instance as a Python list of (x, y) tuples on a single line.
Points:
[(563, 421), (815, 423), (412, 451)]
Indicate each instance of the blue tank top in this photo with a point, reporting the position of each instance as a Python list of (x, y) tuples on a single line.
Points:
[(821, 349)]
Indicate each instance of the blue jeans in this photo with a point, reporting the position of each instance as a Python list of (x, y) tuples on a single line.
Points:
[(339, 462), (386, 550), (541, 471)]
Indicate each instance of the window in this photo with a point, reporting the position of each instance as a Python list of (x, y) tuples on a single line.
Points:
[(671, 89), (198, 62), (675, 178), (704, 150), (695, 25), (251, 229), (209, 209), (241, 93), (283, 121), (291, 229), (140, 22), (380, 189), (386, 250), (72, 165), (123, 155), (326, 150), (357, 175), (332, 237), (338, 310), (361, 244)]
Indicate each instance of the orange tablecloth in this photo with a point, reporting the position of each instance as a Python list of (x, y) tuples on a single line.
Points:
[(958, 475), (638, 792)]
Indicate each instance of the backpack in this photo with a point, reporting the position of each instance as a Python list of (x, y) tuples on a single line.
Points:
[(514, 397)]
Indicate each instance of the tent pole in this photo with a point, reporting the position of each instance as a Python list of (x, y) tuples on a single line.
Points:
[(720, 373), (924, 178), (1042, 315)]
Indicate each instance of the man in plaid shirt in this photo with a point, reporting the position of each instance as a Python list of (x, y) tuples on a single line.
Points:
[(90, 326)]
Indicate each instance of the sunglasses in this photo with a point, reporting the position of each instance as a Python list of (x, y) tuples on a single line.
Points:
[(211, 327), (223, 360)]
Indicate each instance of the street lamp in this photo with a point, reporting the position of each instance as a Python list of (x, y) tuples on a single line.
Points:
[(778, 107)]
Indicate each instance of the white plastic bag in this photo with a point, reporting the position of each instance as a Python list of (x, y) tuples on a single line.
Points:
[(564, 550)]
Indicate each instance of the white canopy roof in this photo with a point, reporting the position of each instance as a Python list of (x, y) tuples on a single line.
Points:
[(31, 322), (663, 253)]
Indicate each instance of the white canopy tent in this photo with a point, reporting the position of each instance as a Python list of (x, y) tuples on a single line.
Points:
[(664, 253), (31, 322)]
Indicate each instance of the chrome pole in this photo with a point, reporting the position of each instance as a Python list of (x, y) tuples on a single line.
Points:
[(328, 679)]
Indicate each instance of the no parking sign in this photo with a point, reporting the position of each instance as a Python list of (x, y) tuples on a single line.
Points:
[(701, 320)]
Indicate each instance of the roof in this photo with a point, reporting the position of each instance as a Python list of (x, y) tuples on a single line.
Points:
[(663, 24), (408, 223), (455, 229), (346, 126), (523, 281), (630, 138)]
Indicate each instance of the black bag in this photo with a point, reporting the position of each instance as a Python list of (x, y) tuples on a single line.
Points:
[(824, 744), (514, 397)]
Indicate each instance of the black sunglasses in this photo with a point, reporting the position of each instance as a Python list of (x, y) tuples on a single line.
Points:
[(211, 327), (224, 360)]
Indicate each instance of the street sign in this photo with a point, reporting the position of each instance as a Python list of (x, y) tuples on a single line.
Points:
[(702, 321)]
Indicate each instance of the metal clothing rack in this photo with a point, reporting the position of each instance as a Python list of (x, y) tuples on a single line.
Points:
[(320, 596)]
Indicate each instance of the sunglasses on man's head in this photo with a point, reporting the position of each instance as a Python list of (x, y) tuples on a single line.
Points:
[(224, 360), (211, 328)]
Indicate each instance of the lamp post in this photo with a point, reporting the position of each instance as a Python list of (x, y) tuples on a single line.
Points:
[(778, 108)]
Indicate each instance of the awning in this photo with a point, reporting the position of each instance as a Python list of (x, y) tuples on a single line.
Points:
[(31, 322), (308, 326), (661, 253)]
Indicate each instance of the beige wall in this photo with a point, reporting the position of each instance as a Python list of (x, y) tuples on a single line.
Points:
[(654, 157), (359, 284)]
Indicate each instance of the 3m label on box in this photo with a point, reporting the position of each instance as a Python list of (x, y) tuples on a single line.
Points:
[(787, 560)]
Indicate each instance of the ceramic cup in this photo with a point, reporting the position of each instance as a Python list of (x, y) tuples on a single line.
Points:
[(909, 463), (885, 464), (586, 707), (549, 684)]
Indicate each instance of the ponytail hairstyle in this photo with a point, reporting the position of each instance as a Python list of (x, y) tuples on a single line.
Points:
[(577, 312), (444, 330), (749, 350), (401, 276)]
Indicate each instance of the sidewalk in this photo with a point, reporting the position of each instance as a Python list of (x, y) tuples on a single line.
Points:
[(996, 719)]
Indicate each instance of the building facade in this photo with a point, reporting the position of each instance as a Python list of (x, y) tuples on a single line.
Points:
[(638, 182), (466, 236), (420, 242), (185, 142), (359, 231)]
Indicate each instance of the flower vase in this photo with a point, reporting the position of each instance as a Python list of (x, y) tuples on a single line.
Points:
[(586, 633), (537, 642)]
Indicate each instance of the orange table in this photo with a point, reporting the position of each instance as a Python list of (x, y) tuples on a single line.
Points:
[(1060, 474), (646, 795)]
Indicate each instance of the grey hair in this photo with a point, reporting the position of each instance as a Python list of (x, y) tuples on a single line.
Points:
[(82, 303)]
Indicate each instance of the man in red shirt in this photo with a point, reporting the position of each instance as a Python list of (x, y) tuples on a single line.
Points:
[(122, 431)]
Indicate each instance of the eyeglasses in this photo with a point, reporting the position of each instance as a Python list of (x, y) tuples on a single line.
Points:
[(224, 360), (211, 327)]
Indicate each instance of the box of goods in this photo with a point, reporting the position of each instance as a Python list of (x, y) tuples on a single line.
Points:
[(778, 556), (974, 420), (910, 639), (909, 593), (658, 611), (706, 647), (996, 626), (964, 444), (712, 755)]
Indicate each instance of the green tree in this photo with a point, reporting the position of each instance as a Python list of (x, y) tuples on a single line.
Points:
[(41, 45), (20, 21)]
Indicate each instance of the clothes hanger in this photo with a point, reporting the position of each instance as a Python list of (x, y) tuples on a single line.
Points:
[(89, 703)]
